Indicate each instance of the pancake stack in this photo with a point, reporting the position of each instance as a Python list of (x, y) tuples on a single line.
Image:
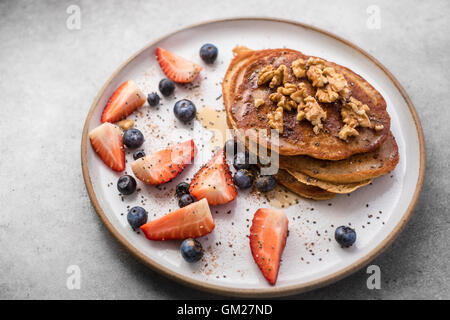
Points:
[(333, 128)]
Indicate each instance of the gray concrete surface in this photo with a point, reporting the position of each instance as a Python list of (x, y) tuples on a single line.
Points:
[(49, 76)]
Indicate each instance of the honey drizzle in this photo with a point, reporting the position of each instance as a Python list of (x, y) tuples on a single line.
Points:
[(281, 198), (214, 120)]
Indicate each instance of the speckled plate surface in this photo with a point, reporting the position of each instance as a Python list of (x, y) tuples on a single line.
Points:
[(311, 258)]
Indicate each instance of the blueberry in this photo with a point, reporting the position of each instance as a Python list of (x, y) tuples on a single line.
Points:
[(243, 179), (133, 138), (184, 110), (136, 217), (265, 183), (153, 99), (126, 185), (181, 189), (138, 154), (185, 200), (208, 52), (345, 236), (166, 87), (191, 250), (241, 161)]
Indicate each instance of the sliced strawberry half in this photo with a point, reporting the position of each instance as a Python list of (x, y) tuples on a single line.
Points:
[(106, 140), (177, 68), (214, 182), (192, 221), (267, 241), (164, 165), (127, 98)]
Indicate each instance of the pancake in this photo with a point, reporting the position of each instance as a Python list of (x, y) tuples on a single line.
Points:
[(240, 90), (328, 186), (357, 168), (304, 190)]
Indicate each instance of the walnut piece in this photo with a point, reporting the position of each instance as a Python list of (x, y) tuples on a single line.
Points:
[(276, 119), (282, 96), (337, 82), (311, 111), (299, 68), (300, 94), (126, 124), (278, 98), (326, 94), (258, 102), (287, 89), (315, 75), (313, 61), (282, 101), (354, 114), (320, 75), (276, 77), (347, 131), (265, 75), (378, 127), (280, 76)]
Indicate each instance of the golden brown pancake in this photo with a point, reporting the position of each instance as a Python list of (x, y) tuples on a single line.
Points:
[(304, 190), (326, 185), (240, 89), (357, 168)]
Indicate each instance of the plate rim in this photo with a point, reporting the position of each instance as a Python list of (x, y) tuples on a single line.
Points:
[(272, 291)]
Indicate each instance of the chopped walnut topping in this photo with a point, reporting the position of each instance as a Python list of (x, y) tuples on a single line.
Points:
[(353, 115), (287, 89), (313, 61), (330, 86), (345, 93), (265, 75), (258, 102), (280, 76), (311, 111), (326, 94), (301, 111), (276, 97), (347, 131), (276, 77), (299, 68), (300, 93), (276, 119), (315, 75), (291, 104), (337, 82), (281, 101), (357, 112)]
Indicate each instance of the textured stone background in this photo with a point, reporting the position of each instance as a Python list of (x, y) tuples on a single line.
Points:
[(49, 76)]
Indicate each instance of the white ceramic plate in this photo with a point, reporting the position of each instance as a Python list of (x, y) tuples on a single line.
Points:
[(311, 258)]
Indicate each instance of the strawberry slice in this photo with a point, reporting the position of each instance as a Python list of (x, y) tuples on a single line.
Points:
[(106, 140), (193, 221), (164, 165), (177, 68), (214, 182), (267, 240), (127, 98)]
